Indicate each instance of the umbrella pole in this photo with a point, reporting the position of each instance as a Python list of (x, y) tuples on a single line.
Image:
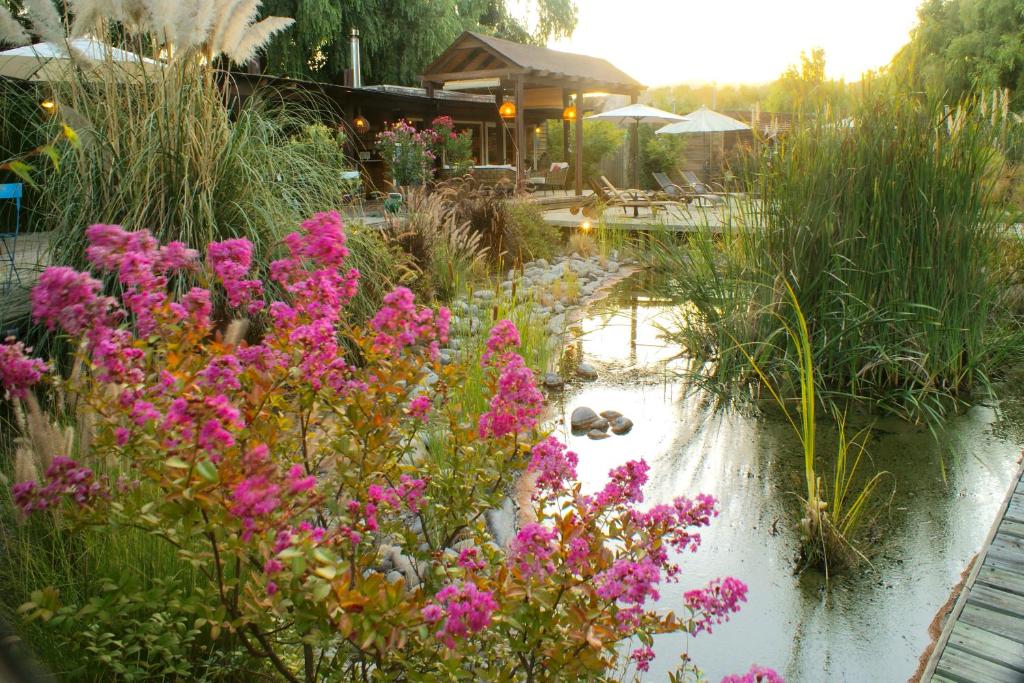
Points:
[(636, 164)]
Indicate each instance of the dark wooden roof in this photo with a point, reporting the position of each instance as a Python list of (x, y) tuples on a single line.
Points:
[(474, 55)]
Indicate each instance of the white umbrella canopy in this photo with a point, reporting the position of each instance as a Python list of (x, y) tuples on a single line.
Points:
[(637, 114), (703, 120), (52, 61)]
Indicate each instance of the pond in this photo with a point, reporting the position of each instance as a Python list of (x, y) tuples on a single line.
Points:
[(868, 624)]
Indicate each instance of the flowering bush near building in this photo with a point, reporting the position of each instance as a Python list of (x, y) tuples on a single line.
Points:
[(285, 471)]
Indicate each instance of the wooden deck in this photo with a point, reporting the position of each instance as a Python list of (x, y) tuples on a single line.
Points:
[(983, 638)]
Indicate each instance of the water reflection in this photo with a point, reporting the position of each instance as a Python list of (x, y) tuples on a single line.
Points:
[(872, 623)]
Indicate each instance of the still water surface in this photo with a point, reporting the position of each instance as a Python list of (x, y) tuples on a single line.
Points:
[(870, 624)]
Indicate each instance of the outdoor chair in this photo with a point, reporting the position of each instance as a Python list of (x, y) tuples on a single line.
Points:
[(9, 239), (671, 190), (552, 179), (700, 190), (629, 199)]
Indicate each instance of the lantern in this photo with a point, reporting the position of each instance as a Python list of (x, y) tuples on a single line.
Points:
[(569, 113), (361, 125), (507, 110)]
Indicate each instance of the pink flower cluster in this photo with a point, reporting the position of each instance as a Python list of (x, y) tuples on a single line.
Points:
[(464, 610), (517, 402), (554, 464), (18, 372), (714, 603), (531, 550), (642, 657), (409, 492), (65, 299), (419, 407), (625, 485), (230, 261), (65, 478), (400, 325), (757, 674)]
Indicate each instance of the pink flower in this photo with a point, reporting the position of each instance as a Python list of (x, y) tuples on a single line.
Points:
[(399, 324), (18, 372), (516, 404), (68, 300), (531, 550), (642, 656), (757, 674), (221, 374), (298, 482), (65, 478), (432, 613), (469, 558), (503, 339), (626, 485), (554, 465), (467, 610), (230, 261), (712, 605), (628, 581), (419, 407)]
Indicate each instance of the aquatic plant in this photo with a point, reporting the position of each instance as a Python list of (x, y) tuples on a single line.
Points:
[(889, 234), (284, 475), (833, 522)]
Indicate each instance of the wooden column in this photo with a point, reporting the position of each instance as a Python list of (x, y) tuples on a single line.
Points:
[(566, 128), (634, 144), (579, 142), (520, 135)]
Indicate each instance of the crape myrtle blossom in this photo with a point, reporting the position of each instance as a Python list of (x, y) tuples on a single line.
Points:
[(714, 603), (65, 480), (459, 610), (757, 674), (18, 372), (517, 402)]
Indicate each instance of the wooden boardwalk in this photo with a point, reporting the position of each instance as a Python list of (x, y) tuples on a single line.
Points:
[(983, 638)]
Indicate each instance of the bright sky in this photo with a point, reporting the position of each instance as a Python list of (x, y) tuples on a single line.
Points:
[(663, 42)]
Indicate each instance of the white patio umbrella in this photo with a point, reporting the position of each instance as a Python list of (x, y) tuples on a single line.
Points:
[(704, 121), (637, 114), (52, 62)]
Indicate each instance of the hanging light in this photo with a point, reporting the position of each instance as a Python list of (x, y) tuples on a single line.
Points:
[(569, 113), (507, 110), (361, 125)]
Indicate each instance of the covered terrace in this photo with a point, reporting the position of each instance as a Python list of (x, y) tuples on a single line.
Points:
[(530, 85)]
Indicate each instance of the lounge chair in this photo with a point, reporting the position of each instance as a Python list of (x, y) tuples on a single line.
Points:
[(671, 190), (632, 198), (700, 190)]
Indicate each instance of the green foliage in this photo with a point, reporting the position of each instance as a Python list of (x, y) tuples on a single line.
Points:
[(600, 138), (966, 46), (399, 37), (890, 237), (537, 237)]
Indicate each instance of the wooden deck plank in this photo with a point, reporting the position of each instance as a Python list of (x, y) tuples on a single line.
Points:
[(996, 622), (988, 645), (1012, 527), (998, 600), (970, 668), (1007, 579)]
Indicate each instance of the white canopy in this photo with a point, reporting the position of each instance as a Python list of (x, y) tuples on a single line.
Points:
[(50, 61), (703, 121), (638, 113)]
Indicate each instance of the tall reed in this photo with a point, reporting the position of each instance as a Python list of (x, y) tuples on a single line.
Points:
[(888, 231)]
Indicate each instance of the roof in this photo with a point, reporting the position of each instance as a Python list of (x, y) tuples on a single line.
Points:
[(438, 94), (466, 58)]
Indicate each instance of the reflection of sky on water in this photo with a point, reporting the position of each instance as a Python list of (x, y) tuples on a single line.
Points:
[(871, 625)]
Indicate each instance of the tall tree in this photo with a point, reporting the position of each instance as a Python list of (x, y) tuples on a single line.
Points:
[(399, 37), (961, 46)]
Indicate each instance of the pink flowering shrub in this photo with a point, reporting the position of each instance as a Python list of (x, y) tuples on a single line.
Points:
[(292, 472), (408, 152)]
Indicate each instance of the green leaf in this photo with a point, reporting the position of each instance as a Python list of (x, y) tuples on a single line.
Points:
[(23, 171), (208, 471), (321, 589), (51, 152), (71, 136), (176, 463)]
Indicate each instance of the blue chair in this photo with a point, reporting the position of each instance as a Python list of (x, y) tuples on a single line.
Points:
[(9, 240)]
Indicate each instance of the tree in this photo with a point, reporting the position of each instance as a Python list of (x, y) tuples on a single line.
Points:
[(960, 46), (399, 37)]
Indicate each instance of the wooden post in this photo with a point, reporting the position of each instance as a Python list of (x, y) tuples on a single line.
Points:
[(520, 135), (634, 142), (566, 128), (579, 142)]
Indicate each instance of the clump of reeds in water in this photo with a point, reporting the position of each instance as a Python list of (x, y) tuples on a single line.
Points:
[(835, 517), (887, 226)]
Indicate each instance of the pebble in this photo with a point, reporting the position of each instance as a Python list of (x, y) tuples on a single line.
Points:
[(395, 576), (553, 380), (484, 294), (582, 417), (599, 425), (586, 371), (621, 425), (597, 435), (610, 414)]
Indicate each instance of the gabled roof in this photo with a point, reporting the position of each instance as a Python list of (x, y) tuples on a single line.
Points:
[(475, 55)]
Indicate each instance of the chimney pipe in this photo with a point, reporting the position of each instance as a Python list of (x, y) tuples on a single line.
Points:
[(357, 65)]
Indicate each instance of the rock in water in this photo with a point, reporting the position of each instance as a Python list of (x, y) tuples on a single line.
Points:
[(599, 425), (586, 371), (611, 415), (553, 381), (622, 425), (582, 418), (597, 435)]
